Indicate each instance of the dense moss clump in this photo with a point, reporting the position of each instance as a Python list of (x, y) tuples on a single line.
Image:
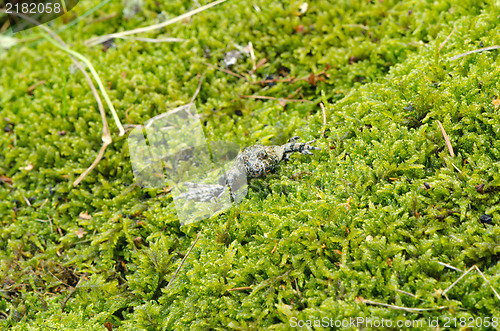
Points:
[(381, 213)]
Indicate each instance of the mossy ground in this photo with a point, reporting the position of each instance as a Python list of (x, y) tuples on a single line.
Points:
[(353, 221)]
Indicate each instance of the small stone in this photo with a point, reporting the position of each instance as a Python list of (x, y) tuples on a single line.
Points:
[(409, 108), (268, 78), (230, 58), (486, 219), (479, 188), (303, 8)]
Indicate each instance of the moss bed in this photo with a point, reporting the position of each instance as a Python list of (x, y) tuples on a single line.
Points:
[(376, 215)]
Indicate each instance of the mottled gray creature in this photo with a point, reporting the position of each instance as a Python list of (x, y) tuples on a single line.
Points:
[(253, 162)]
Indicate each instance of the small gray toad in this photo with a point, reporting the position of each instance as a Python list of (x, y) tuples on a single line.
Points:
[(253, 162)]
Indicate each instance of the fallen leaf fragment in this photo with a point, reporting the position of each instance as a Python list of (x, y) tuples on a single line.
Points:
[(80, 233), (496, 102), (85, 216), (5, 179)]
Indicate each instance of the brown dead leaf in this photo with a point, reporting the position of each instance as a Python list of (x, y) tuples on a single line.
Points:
[(34, 86), (299, 28), (5, 179), (311, 79), (108, 326)]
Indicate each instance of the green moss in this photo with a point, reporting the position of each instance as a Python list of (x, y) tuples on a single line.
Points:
[(369, 216)]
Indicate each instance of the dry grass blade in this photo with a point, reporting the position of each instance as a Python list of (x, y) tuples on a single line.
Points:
[(182, 262), (475, 51), (474, 267), (408, 309), (101, 39), (154, 40), (265, 97), (447, 38), (106, 136), (73, 290), (240, 288), (197, 89), (98, 158), (227, 71), (446, 139), (324, 118), (449, 266), (407, 293)]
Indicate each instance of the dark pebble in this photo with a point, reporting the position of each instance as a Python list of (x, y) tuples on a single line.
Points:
[(479, 188), (409, 108), (270, 77), (486, 219)]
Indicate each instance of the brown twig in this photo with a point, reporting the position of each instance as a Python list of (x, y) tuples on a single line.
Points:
[(446, 139), (239, 288), (34, 86), (105, 18), (272, 98), (73, 290), (257, 66), (447, 38), (197, 89), (474, 51), (227, 71), (43, 203), (294, 93), (311, 78), (105, 144), (275, 247), (5, 26), (182, 262)]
